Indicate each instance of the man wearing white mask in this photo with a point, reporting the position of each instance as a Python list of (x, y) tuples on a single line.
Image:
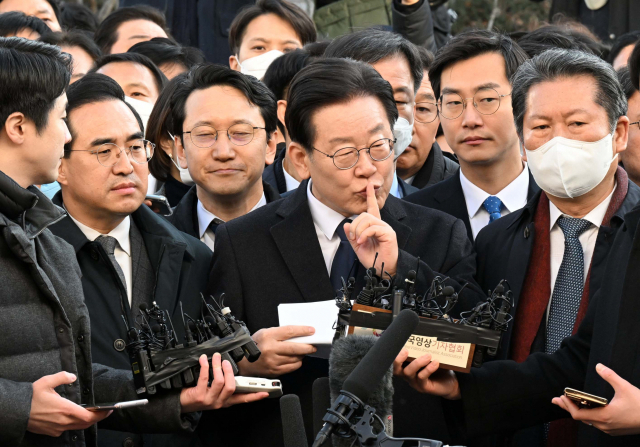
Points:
[(398, 62), (569, 111), (470, 78), (262, 32)]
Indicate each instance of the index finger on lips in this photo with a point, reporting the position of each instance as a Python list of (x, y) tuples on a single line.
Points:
[(372, 202)]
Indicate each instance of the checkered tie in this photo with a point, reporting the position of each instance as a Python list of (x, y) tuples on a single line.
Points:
[(493, 205), (567, 292)]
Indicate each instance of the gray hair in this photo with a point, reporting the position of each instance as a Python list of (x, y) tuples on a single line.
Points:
[(560, 63)]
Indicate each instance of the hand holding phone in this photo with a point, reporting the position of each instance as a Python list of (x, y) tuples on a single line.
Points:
[(585, 400), (117, 405)]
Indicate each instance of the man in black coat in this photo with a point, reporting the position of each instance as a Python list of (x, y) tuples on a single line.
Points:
[(551, 268), (471, 80), (296, 250), (129, 256), (225, 164)]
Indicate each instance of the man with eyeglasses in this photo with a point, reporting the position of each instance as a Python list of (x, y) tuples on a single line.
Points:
[(423, 163), (298, 249), (470, 78), (223, 122), (128, 255)]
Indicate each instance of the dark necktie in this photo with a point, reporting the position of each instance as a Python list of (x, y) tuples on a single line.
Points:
[(213, 226), (567, 291), (109, 244), (343, 260), (493, 205)]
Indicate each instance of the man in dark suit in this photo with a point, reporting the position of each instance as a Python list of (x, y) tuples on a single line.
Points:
[(553, 252), (224, 148), (423, 163), (296, 250), (470, 77), (129, 256)]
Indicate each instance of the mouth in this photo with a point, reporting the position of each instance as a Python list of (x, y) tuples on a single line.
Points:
[(363, 192), (124, 188), (226, 171), (474, 140)]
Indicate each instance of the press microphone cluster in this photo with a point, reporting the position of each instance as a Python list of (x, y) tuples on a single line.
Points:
[(160, 360)]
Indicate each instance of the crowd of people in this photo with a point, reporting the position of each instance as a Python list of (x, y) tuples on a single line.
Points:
[(297, 162)]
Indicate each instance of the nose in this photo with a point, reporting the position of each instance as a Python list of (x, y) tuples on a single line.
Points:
[(365, 166), (471, 118), (124, 165), (67, 134), (223, 148)]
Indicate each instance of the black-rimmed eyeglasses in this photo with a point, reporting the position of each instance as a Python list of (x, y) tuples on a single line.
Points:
[(347, 157)]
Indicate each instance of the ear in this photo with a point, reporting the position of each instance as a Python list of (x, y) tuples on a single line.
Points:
[(15, 126), (182, 154), (300, 159), (62, 172), (167, 146), (272, 146), (233, 63), (282, 108), (620, 135)]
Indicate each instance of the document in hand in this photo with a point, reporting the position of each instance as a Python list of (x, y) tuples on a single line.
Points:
[(321, 315)]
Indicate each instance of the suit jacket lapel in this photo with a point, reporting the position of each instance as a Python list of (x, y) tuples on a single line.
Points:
[(296, 239), (533, 187), (451, 200)]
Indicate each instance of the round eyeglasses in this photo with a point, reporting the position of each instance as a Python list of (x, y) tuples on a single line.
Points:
[(426, 112), (637, 124), (347, 157), (238, 134), (486, 101), (108, 154)]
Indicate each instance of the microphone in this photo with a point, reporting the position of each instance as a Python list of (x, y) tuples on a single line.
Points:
[(321, 393), (357, 388), (292, 423)]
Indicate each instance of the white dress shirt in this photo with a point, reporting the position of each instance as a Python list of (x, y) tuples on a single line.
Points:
[(395, 190), (205, 217), (513, 197), (122, 252), (326, 222), (290, 181), (587, 239), (410, 180)]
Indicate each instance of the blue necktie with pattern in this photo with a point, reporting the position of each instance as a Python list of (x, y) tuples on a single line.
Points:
[(493, 205), (343, 260)]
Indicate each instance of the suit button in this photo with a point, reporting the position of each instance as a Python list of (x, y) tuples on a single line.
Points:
[(128, 442), (61, 330), (80, 338), (526, 232), (74, 438), (85, 391), (94, 255), (119, 344)]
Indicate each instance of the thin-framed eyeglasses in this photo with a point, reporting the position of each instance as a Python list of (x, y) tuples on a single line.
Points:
[(347, 157), (426, 112), (637, 124), (239, 134), (108, 154), (486, 101)]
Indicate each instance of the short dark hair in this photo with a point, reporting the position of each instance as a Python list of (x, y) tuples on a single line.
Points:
[(158, 126), (54, 6), (74, 16), (73, 38), (317, 49), (634, 66), (559, 63), (426, 57), (33, 75), (470, 44), (373, 45), (159, 77), (11, 23), (315, 87), (90, 89), (209, 75), (107, 33), (625, 81), (551, 36), (297, 18), (621, 42), (165, 51)]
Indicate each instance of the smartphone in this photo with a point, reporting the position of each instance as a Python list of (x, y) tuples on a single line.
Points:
[(116, 405), (256, 385), (585, 400), (160, 203)]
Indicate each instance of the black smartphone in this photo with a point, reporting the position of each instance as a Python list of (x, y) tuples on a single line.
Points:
[(160, 204), (116, 405)]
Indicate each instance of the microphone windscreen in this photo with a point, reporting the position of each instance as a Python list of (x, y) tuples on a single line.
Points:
[(292, 423), (155, 328), (376, 363), (143, 306), (321, 401)]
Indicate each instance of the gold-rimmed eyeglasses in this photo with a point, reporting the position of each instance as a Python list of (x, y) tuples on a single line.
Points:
[(486, 101), (239, 134), (426, 112), (108, 154)]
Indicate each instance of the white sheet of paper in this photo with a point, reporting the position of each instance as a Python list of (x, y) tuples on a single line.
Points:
[(321, 315)]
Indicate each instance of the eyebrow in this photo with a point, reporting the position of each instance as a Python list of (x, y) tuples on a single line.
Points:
[(137, 84), (479, 87), (43, 11), (371, 131), (564, 115), (402, 90), (139, 36), (210, 124), (425, 96), (101, 141)]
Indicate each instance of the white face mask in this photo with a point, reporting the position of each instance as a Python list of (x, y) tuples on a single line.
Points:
[(143, 108), (403, 132), (185, 177), (257, 66), (568, 168)]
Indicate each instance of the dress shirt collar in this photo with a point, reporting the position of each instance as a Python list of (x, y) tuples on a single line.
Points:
[(205, 217), (120, 233), (595, 216), (289, 180), (324, 217), (395, 190), (513, 196)]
